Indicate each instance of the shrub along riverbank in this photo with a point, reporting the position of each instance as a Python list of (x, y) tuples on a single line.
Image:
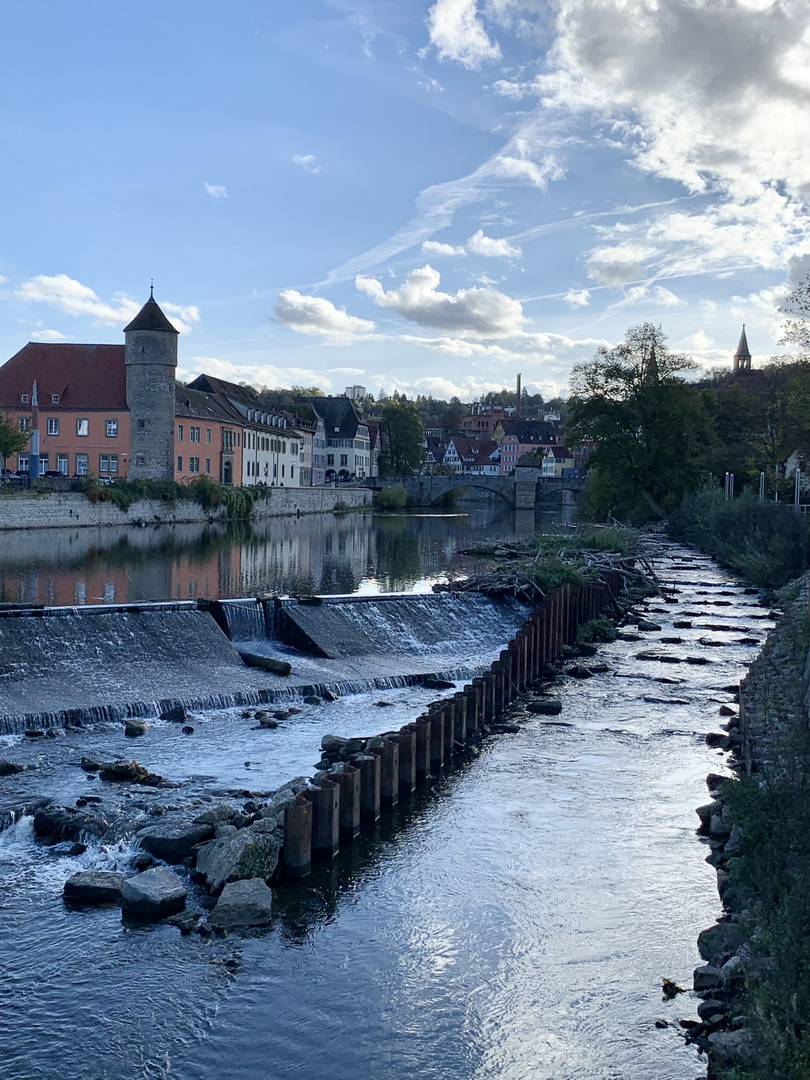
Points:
[(767, 543)]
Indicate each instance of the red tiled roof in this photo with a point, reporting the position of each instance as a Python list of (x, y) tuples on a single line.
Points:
[(84, 376)]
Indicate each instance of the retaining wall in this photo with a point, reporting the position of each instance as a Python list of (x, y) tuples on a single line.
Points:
[(69, 510), (397, 763)]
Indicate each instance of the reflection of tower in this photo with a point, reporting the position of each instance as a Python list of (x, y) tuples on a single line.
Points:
[(742, 357), (150, 356)]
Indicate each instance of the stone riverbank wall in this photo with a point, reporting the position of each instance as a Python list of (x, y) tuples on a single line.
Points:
[(69, 510), (762, 741), (358, 777)]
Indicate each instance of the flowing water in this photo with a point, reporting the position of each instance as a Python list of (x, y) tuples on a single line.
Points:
[(514, 922)]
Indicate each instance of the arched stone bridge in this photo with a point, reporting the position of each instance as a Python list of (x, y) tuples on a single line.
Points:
[(521, 494)]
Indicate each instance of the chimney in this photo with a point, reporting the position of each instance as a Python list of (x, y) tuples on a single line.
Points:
[(517, 401)]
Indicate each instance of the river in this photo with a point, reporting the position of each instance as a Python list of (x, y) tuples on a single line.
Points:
[(514, 922)]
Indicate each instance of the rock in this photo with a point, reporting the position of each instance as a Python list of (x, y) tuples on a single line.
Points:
[(717, 741), (57, 823), (10, 768), (283, 714), (584, 648), (726, 710), (224, 829), (645, 624), (682, 624), (719, 942), (142, 862), (240, 820), (185, 921), (544, 707), (710, 1007), (661, 1024), (93, 887), (505, 729), (248, 853), (188, 729), (628, 635), (707, 977), (176, 715), (384, 704), (437, 684), (173, 841), (729, 1048), (662, 658), (671, 640), (268, 722), (578, 671), (329, 695), (243, 903), (89, 764), (266, 663), (698, 660), (334, 744), (128, 772), (34, 733), (312, 699), (598, 668), (218, 813), (154, 894), (134, 728)]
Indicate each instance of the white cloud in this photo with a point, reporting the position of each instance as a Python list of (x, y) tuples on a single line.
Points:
[(487, 246), (649, 294), (473, 311), (255, 374), (308, 162), (77, 300), (316, 316), (577, 297), (458, 34), (216, 191), (348, 370), (47, 335), (3, 280), (434, 247)]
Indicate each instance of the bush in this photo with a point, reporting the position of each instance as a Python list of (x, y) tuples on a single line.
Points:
[(391, 498), (601, 629)]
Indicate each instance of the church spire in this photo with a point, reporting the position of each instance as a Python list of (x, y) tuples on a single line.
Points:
[(742, 357)]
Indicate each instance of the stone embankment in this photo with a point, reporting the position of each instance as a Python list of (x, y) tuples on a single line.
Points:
[(744, 825), (72, 510), (233, 852)]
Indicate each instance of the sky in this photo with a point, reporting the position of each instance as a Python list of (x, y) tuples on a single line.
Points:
[(428, 197)]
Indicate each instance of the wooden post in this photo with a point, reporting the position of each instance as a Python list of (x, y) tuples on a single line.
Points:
[(448, 711), (369, 766), (407, 760), (436, 742), (388, 754), (423, 740), (298, 837), (461, 716), (348, 780), (325, 801)]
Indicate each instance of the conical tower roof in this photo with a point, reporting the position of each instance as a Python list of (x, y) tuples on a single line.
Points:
[(150, 317), (742, 349)]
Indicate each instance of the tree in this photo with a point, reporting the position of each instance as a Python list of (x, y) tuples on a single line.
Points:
[(12, 440), (454, 414), (403, 445), (651, 428)]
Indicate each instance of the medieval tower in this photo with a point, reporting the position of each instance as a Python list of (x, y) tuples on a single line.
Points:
[(150, 359)]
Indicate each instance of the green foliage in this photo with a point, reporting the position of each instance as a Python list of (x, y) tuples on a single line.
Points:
[(403, 450), (768, 543), (239, 502), (391, 498), (12, 440), (597, 630), (650, 426)]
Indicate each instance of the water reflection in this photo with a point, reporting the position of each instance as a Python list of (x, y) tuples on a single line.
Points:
[(319, 553)]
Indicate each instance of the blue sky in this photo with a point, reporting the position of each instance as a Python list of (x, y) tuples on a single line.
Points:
[(405, 194)]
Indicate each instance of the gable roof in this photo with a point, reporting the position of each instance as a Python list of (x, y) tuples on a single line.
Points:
[(340, 416), (198, 405), (84, 376)]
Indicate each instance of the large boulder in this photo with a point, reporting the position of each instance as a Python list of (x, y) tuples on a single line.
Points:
[(9, 768), (720, 942), (94, 887), (55, 823), (544, 706), (128, 772), (154, 894), (173, 841), (248, 853), (243, 903)]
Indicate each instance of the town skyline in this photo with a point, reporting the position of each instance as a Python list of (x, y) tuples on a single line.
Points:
[(421, 197)]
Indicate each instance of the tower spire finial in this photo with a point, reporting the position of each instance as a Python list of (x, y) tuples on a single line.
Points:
[(152, 289)]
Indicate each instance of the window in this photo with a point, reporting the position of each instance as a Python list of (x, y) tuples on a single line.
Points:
[(330, 459), (208, 464), (141, 425), (24, 398), (282, 469), (193, 464), (53, 425), (44, 463), (194, 434), (83, 429), (112, 429), (179, 464), (344, 459), (24, 423), (227, 439), (292, 471), (140, 459), (108, 463), (23, 462), (179, 432), (82, 464), (208, 434), (54, 399), (63, 464)]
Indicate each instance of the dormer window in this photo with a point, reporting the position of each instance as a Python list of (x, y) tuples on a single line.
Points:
[(24, 398), (54, 399)]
